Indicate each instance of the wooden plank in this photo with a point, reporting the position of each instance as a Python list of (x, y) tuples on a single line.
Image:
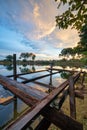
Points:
[(43, 84), (72, 98), (60, 70), (19, 123), (83, 78), (10, 85), (72, 71), (28, 73), (39, 83), (62, 99), (23, 78), (79, 94), (61, 120), (39, 77), (43, 125), (77, 77), (27, 89)]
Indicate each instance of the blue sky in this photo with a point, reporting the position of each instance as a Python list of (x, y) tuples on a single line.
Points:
[(29, 26)]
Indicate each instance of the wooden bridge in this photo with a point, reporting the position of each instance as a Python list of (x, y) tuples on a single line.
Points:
[(40, 103)]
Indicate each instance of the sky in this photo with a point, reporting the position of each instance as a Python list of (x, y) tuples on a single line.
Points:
[(29, 26)]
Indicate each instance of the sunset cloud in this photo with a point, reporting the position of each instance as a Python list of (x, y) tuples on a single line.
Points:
[(33, 22), (68, 38)]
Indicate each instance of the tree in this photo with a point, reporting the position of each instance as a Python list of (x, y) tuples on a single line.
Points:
[(81, 48), (75, 15), (33, 57), (77, 49), (24, 55), (9, 58), (30, 55), (82, 44), (67, 51), (83, 37), (27, 55)]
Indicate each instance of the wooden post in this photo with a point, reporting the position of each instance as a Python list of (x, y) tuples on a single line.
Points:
[(82, 81), (15, 108), (72, 98), (51, 74), (61, 120), (62, 99), (14, 67), (50, 83)]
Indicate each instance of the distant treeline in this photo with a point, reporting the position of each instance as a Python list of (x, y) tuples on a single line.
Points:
[(62, 63)]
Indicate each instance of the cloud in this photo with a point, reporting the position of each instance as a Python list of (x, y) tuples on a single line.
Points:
[(45, 25), (68, 38), (63, 38), (45, 57), (36, 11), (34, 20)]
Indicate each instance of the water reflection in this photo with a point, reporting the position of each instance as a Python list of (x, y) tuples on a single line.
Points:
[(32, 68), (27, 69), (9, 67), (11, 111), (65, 75)]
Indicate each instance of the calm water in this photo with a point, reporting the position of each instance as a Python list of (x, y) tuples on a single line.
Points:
[(9, 112)]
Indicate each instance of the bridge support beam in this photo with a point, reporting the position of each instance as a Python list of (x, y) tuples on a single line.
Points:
[(61, 120)]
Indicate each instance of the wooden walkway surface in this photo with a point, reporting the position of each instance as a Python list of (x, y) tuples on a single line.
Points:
[(38, 101)]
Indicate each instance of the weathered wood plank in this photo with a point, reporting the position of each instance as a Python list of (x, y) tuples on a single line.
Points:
[(83, 77), (39, 83), (39, 77), (63, 97), (72, 71), (27, 73), (61, 120), (22, 121), (27, 89), (44, 85), (23, 78), (10, 85), (72, 98), (79, 94)]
